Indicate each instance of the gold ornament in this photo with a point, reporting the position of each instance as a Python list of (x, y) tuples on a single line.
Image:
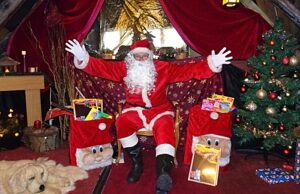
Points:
[(270, 110), (261, 93), (272, 71), (270, 126), (251, 106), (294, 61), (284, 108), (296, 74)]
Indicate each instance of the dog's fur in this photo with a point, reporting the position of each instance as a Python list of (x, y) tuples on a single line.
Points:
[(38, 176)]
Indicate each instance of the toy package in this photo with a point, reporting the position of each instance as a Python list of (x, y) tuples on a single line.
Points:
[(205, 165), (218, 103), (88, 109)]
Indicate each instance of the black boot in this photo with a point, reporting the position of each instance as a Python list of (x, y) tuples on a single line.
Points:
[(164, 165), (137, 163)]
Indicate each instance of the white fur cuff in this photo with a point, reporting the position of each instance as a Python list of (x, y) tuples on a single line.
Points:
[(165, 149), (129, 141)]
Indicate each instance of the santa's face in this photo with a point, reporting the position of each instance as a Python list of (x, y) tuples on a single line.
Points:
[(141, 56), (141, 72)]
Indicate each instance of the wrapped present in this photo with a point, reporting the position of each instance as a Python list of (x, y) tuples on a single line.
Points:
[(274, 175), (297, 163)]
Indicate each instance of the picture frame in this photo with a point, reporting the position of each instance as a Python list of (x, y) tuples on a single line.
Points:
[(205, 165)]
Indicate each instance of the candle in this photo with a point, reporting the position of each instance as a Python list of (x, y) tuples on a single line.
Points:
[(24, 62), (37, 124), (50, 107)]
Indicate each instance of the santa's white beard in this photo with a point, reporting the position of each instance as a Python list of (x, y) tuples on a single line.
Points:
[(140, 75)]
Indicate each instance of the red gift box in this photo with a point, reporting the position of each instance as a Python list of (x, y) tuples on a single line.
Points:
[(200, 122)]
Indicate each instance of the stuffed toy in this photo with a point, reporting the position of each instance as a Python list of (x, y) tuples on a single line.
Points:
[(89, 141)]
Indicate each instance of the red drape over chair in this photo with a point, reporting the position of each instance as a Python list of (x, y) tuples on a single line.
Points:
[(207, 25)]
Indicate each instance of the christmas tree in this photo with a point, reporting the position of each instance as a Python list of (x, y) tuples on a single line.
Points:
[(270, 93)]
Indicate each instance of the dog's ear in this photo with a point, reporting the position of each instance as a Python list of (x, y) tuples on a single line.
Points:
[(45, 173), (17, 181)]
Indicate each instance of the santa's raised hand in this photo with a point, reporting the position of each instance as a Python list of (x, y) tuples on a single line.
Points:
[(217, 60), (74, 47)]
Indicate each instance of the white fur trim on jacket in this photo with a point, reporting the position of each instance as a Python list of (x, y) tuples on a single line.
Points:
[(82, 64), (129, 141), (211, 65), (145, 98), (143, 118), (164, 149)]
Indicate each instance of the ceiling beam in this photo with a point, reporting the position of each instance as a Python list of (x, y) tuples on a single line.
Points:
[(289, 9)]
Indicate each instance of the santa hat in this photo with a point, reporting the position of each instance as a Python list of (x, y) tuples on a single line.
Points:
[(217, 126), (141, 46)]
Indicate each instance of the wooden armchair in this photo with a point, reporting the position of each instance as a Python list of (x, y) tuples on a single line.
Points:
[(146, 132)]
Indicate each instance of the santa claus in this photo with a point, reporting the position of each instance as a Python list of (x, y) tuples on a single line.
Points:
[(147, 105)]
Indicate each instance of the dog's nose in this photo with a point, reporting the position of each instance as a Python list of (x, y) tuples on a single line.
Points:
[(42, 188)]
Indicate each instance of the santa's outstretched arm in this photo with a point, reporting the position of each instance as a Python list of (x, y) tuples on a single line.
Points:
[(114, 71)]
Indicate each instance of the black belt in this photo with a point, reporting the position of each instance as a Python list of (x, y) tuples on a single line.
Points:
[(137, 105)]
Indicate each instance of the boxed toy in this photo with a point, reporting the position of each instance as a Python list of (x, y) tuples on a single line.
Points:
[(205, 165)]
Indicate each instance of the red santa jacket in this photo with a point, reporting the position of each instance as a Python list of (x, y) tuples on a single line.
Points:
[(167, 73)]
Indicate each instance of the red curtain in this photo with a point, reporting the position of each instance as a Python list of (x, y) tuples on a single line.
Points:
[(207, 25), (32, 37)]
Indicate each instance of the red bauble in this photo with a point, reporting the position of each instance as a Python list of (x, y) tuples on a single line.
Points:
[(285, 61), (256, 76), (286, 152), (281, 127), (273, 57), (238, 119), (272, 42), (273, 95), (243, 89)]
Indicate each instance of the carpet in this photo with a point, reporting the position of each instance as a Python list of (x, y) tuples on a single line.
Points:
[(60, 155), (238, 178)]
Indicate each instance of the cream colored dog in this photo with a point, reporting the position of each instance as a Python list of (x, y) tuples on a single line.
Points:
[(38, 176)]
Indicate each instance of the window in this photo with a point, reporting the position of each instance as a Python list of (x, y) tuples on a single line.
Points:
[(167, 37)]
